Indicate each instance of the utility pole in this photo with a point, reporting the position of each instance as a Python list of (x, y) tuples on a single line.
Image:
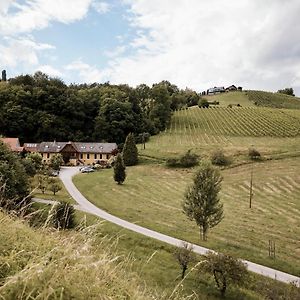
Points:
[(251, 188)]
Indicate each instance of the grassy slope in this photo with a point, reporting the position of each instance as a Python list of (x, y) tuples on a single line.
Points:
[(152, 197), (231, 98), (42, 264), (275, 100)]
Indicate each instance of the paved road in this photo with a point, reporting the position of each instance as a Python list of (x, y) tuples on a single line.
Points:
[(66, 175)]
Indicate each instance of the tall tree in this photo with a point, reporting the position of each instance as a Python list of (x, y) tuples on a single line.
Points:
[(119, 170), (202, 203), (56, 161), (14, 184), (130, 151)]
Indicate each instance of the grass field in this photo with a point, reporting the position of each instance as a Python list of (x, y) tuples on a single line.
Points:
[(273, 131), (152, 195), (62, 195), (232, 98)]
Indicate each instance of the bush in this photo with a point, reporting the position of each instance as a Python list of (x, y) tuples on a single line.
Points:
[(254, 154), (187, 160), (218, 158), (203, 103), (62, 216), (225, 269)]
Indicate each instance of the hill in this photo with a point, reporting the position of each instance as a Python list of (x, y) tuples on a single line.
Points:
[(45, 264), (275, 100)]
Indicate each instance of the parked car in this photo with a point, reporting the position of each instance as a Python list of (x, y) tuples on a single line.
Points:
[(54, 173), (87, 170)]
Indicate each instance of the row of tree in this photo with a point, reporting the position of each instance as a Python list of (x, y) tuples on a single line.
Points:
[(36, 108)]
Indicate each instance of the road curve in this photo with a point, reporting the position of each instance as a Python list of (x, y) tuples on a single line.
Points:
[(66, 175)]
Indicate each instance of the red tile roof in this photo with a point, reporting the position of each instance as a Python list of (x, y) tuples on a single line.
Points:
[(13, 144)]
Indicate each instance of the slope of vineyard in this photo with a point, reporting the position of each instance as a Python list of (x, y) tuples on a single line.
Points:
[(276, 100), (235, 129)]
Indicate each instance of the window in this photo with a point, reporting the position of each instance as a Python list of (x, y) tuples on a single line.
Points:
[(88, 156), (95, 156), (107, 156), (100, 156), (48, 155), (81, 156)]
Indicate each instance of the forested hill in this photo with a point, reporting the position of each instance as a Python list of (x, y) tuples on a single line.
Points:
[(36, 108)]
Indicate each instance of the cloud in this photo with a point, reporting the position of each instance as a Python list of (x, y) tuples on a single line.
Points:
[(49, 70), (101, 7), (86, 72), (37, 14), (23, 50), (200, 44)]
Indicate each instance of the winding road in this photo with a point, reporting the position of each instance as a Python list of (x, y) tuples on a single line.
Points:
[(66, 175)]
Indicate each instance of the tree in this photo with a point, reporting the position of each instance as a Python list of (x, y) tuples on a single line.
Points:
[(184, 256), (54, 186), (33, 163), (202, 203), (119, 170), (14, 183), (130, 151), (287, 91), (42, 182), (56, 161), (62, 215), (225, 269)]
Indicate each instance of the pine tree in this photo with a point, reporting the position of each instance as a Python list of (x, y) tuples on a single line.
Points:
[(202, 202), (119, 170), (130, 151)]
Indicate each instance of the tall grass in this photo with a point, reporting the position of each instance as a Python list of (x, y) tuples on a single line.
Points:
[(47, 264)]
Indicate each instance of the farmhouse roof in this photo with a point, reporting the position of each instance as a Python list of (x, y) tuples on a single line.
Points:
[(13, 144), (56, 147), (30, 147)]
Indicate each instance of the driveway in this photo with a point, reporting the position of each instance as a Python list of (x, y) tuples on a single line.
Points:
[(66, 175)]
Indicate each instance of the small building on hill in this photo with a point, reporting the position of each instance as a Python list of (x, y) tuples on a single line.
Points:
[(77, 153), (13, 144), (215, 90), (231, 88)]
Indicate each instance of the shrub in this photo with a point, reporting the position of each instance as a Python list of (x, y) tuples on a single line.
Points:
[(203, 103), (225, 269), (189, 160), (186, 160), (119, 169), (254, 154), (218, 158), (62, 215)]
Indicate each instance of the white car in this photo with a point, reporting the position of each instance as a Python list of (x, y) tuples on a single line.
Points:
[(86, 170)]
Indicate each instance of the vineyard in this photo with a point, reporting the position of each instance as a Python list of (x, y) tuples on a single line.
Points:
[(152, 197), (202, 129), (275, 100)]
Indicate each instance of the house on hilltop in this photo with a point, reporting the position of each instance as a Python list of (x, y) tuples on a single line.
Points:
[(215, 90), (231, 88)]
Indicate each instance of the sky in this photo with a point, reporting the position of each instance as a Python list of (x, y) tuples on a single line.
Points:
[(191, 43)]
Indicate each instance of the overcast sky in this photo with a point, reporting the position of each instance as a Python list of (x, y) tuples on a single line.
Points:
[(191, 43)]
